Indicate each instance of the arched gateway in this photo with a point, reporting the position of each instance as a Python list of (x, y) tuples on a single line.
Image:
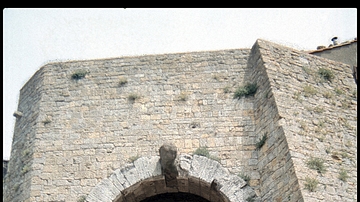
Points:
[(182, 178)]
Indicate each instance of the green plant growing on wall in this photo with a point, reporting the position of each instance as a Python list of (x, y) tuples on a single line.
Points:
[(328, 95), (25, 169), (16, 187), (245, 177), (311, 184), (343, 176), (81, 199), (326, 74), (26, 152), (307, 70), (227, 89), (194, 125), (133, 96), (216, 77), (316, 164), (297, 96), (134, 158), (309, 90), (250, 199), (338, 91), (261, 142), (122, 81), (183, 96), (318, 110), (79, 74), (203, 151), (247, 90)]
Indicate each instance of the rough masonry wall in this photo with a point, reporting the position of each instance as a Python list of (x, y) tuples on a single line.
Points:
[(318, 117), (88, 128), (17, 183), (76, 132), (276, 176)]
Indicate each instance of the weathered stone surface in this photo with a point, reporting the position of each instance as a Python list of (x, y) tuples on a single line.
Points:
[(105, 191), (74, 134)]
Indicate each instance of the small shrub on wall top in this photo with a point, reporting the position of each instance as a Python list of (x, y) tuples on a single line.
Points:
[(79, 74), (247, 90), (202, 151), (326, 74)]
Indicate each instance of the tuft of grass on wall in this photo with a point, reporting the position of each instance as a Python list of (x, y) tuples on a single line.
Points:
[(227, 89), (326, 74), (133, 96), (203, 151), (250, 199), (25, 169), (316, 164), (79, 74), (338, 91), (122, 81), (309, 91), (81, 199), (245, 177), (311, 184), (183, 96), (343, 176), (134, 158), (247, 90), (261, 142)]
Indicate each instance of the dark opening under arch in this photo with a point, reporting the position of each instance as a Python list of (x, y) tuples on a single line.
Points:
[(175, 197)]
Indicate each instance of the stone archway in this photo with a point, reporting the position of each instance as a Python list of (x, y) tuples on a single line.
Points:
[(197, 175)]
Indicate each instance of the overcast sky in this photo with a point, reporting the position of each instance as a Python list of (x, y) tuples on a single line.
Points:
[(34, 37)]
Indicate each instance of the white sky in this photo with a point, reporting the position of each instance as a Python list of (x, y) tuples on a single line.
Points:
[(34, 37)]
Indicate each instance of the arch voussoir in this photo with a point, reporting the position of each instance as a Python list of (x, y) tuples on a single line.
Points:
[(198, 175)]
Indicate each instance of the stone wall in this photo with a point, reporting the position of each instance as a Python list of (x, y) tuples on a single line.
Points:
[(277, 180), (18, 180), (318, 117), (75, 132), (88, 127)]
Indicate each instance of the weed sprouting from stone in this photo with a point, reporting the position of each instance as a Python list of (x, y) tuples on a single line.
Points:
[(343, 176), (311, 184), (122, 81), (132, 97), (261, 142), (134, 158), (245, 177), (247, 90), (326, 74), (183, 96), (202, 151), (316, 164), (79, 74), (81, 199)]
